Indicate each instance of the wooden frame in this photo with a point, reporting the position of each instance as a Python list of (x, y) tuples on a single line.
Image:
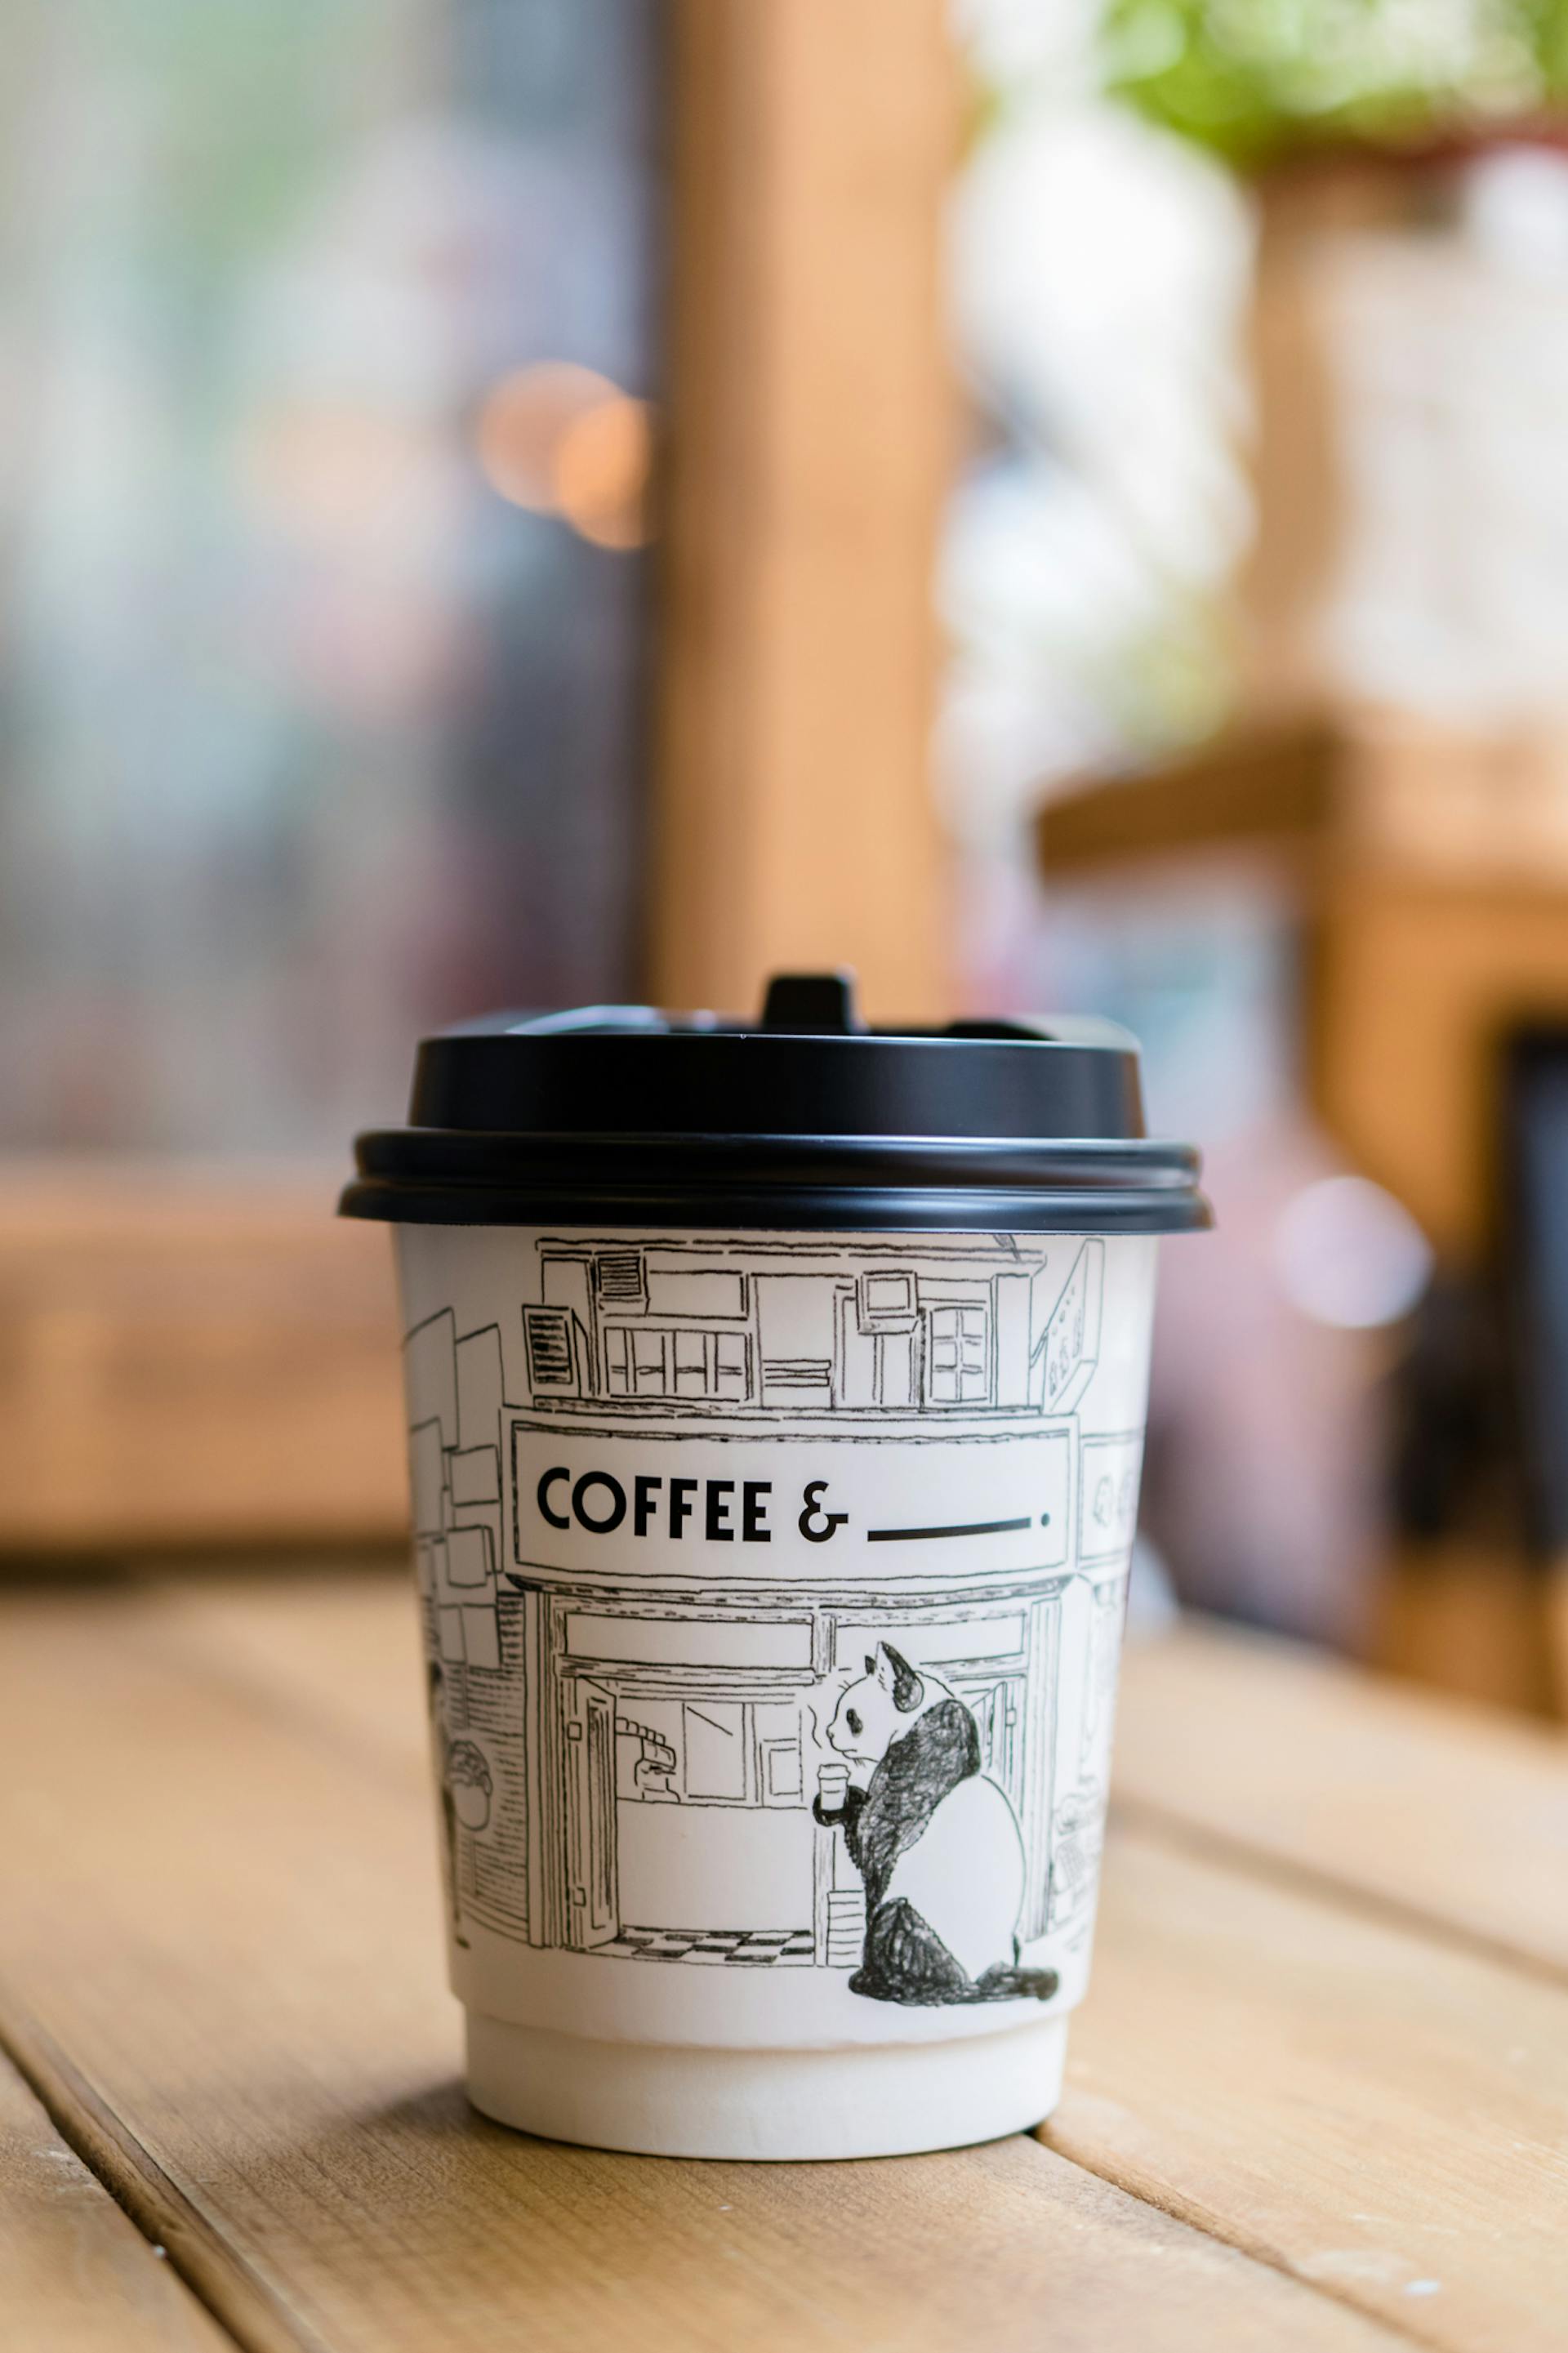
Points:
[(794, 825)]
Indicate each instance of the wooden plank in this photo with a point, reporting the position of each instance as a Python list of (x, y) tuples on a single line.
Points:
[(1274, 785), (340, 1643), (241, 1962), (1379, 2114), (810, 450), (1448, 1814), (75, 2275), (193, 1357)]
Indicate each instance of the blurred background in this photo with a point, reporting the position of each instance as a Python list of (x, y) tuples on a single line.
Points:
[(529, 502)]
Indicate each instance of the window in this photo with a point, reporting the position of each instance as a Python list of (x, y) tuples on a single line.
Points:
[(650, 1375), (886, 1298), (641, 1362), (959, 1362), (781, 1772), (730, 1365), (476, 1475), (635, 1362), (621, 1279), (741, 1753), (468, 1557), (691, 1363), (715, 1749), (552, 1358), (427, 1477)]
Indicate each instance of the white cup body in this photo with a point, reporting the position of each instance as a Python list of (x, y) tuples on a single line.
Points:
[(773, 1589)]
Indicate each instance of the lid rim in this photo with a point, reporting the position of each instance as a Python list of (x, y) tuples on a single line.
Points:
[(476, 1155), (808, 1209), (749, 1141), (432, 1177)]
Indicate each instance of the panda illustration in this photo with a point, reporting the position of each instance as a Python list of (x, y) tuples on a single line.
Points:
[(935, 1839)]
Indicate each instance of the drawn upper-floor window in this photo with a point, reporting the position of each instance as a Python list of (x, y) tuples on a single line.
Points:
[(622, 1282), (886, 1298), (641, 1361), (550, 1333), (958, 1362)]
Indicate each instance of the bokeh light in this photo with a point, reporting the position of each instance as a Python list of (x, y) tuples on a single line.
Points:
[(521, 422), (561, 440), (1348, 1254), (602, 465)]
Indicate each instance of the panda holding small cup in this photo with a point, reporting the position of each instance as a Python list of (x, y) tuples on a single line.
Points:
[(934, 1838)]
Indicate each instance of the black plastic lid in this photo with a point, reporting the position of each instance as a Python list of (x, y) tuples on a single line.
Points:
[(622, 1115)]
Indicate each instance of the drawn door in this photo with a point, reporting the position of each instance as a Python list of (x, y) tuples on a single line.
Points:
[(998, 1711), (591, 1904)]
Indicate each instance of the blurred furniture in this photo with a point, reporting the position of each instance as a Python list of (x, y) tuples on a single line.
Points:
[(811, 433), (1419, 880), (193, 1356), (1425, 876), (1325, 2047)]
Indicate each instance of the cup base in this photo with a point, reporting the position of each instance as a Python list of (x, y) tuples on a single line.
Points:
[(886, 2100)]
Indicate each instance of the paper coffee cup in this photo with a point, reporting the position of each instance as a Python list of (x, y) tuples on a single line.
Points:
[(772, 1567)]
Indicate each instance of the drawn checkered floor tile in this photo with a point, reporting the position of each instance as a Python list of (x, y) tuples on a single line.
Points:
[(718, 1947)]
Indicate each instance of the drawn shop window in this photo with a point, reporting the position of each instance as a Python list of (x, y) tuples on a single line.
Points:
[(958, 1360), (711, 1752), (782, 1768), (715, 1742), (645, 1361)]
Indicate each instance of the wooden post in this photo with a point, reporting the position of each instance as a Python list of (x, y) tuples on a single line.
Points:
[(809, 457)]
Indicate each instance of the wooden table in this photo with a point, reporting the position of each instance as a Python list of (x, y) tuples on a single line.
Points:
[(1318, 2097)]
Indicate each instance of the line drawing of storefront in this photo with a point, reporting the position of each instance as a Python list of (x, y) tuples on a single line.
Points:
[(651, 1702)]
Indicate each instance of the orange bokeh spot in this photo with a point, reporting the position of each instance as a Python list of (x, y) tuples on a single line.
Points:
[(601, 475), (521, 424)]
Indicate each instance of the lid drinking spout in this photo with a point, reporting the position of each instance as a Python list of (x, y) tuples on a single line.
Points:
[(813, 1004)]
